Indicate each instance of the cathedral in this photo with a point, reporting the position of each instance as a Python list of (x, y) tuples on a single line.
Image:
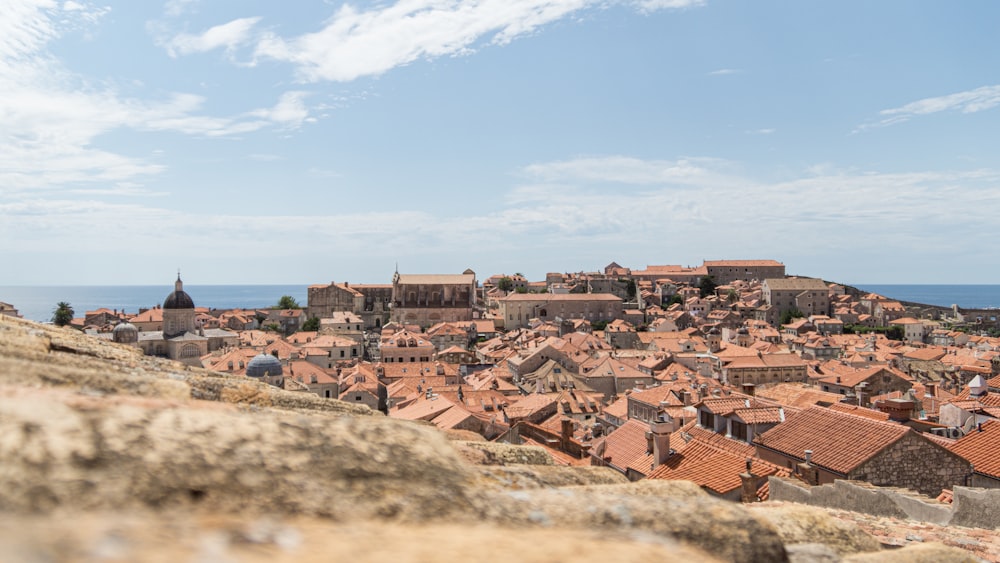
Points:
[(182, 338)]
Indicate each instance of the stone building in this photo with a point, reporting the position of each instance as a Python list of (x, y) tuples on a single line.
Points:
[(727, 271), (845, 446), (765, 368), (8, 309), (811, 296), (182, 338), (368, 301), (426, 300), (516, 310)]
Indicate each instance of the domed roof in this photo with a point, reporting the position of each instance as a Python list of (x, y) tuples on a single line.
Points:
[(264, 365), (179, 299), (125, 332)]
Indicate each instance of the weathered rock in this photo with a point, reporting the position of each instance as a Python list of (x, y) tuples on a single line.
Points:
[(797, 523), (46, 356), (721, 528), (61, 449), (811, 553), (514, 477), (493, 453), (169, 537), (916, 553)]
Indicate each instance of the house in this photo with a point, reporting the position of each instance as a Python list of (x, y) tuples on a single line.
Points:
[(843, 446), (765, 368), (809, 295), (982, 448), (518, 309), (866, 383)]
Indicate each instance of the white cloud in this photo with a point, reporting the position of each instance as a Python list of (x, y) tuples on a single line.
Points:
[(365, 42), (227, 36), (615, 207), (725, 72), (970, 101), (51, 116), (650, 5)]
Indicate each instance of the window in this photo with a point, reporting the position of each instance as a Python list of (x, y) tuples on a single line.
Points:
[(739, 431)]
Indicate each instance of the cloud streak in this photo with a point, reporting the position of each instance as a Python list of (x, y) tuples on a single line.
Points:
[(357, 42), (970, 101)]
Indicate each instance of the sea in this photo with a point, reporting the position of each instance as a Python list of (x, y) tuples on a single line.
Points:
[(967, 296), (37, 302)]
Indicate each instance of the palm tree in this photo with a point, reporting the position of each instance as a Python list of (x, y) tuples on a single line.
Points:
[(62, 315)]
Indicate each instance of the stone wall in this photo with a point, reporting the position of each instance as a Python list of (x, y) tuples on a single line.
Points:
[(916, 463), (971, 507)]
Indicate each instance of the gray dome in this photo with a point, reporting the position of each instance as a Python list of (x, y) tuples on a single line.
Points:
[(179, 299), (125, 333), (264, 365)]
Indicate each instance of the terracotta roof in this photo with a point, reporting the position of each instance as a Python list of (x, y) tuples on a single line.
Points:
[(859, 411), (981, 449), (839, 442), (797, 395), (712, 468), (760, 415), (560, 297), (626, 447)]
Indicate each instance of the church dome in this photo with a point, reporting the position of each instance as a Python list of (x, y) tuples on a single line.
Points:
[(179, 299), (125, 333), (264, 365)]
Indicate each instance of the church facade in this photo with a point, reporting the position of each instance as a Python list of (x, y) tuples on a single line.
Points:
[(426, 300)]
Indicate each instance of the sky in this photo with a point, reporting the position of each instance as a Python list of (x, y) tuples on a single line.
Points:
[(315, 141)]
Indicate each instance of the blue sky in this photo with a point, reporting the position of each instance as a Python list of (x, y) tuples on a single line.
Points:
[(263, 142)]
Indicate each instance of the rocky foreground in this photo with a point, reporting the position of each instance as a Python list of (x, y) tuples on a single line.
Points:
[(107, 455)]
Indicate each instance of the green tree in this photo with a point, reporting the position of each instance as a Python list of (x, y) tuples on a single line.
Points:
[(790, 314), (62, 315), (311, 324), (287, 302), (272, 327), (733, 296), (707, 286), (675, 298), (505, 284)]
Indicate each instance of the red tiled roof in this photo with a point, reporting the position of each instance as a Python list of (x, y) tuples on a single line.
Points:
[(713, 468), (839, 442), (859, 411), (981, 448)]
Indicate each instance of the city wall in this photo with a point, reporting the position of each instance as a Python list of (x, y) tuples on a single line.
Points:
[(971, 507)]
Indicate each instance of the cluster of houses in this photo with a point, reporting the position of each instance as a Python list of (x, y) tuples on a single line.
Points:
[(722, 374)]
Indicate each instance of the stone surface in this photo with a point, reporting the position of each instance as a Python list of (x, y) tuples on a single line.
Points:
[(171, 537), (798, 523), (916, 553)]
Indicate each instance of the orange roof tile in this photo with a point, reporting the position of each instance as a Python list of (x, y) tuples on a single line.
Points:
[(981, 448), (839, 442)]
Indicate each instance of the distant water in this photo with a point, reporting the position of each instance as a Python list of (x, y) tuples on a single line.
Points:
[(966, 296), (37, 303)]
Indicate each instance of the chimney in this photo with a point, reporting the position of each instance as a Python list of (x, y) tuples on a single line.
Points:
[(930, 389), (686, 397), (807, 472), (658, 440), (748, 484), (566, 433), (748, 389)]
